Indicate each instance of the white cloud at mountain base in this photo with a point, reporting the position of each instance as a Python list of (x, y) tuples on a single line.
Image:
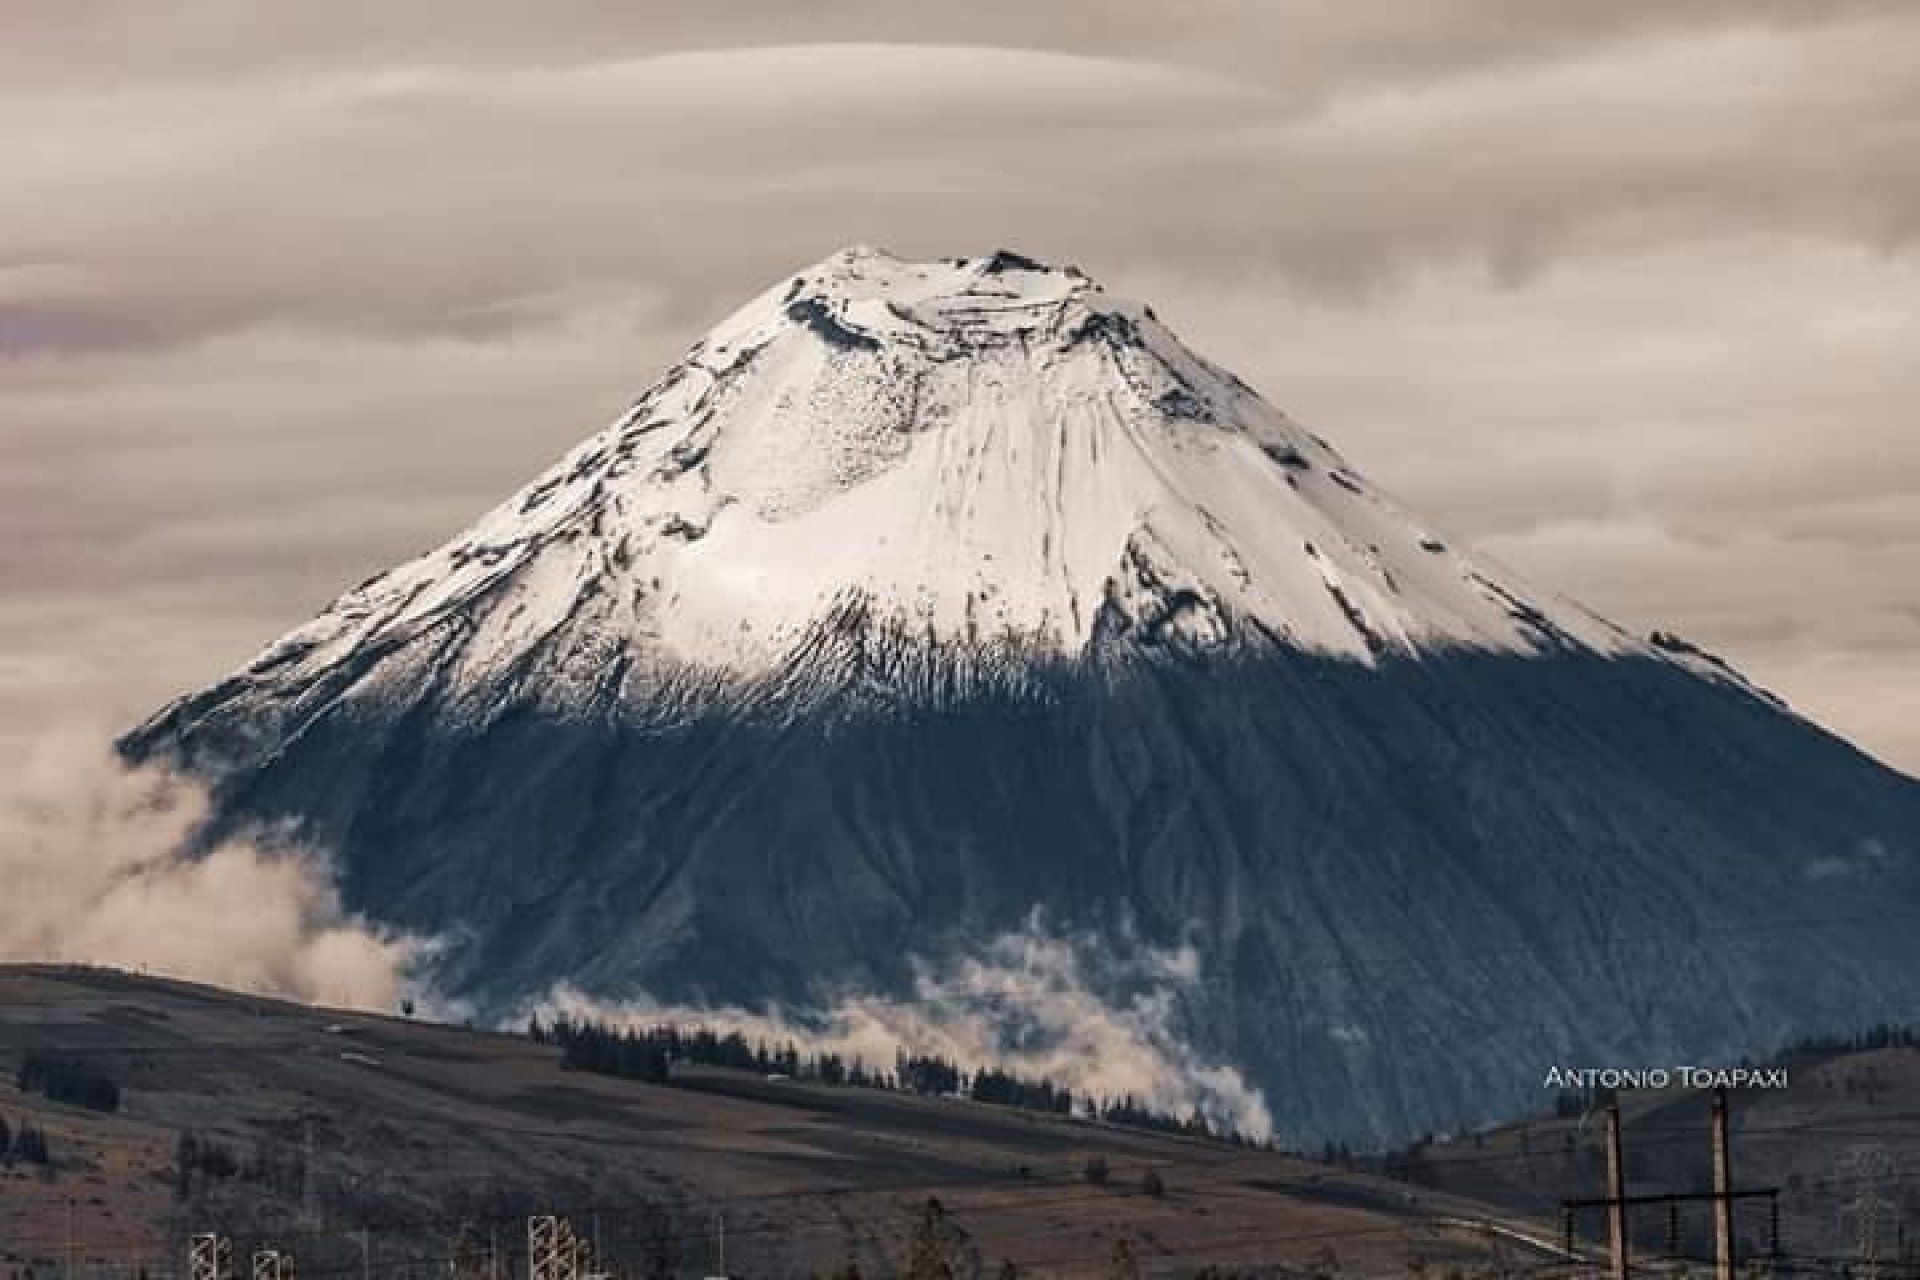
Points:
[(93, 873), (1100, 1018)]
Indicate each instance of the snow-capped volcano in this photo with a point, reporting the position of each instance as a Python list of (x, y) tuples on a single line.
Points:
[(984, 452), (918, 594)]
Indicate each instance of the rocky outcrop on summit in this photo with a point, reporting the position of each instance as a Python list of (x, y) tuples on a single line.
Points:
[(920, 594)]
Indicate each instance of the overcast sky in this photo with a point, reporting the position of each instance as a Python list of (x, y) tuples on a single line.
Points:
[(1626, 292)]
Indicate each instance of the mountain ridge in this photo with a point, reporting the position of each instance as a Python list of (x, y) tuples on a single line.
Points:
[(634, 551)]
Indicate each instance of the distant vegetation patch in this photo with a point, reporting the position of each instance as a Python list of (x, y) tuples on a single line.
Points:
[(65, 1080), (25, 1145), (1886, 1035), (199, 1160)]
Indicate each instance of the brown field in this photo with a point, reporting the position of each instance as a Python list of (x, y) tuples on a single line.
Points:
[(437, 1141)]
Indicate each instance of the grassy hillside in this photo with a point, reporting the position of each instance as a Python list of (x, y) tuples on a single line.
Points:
[(1841, 1143), (320, 1131)]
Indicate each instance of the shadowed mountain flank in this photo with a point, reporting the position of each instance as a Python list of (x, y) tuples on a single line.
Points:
[(921, 597)]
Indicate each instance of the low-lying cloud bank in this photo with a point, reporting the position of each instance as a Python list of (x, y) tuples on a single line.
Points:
[(1031, 1001), (91, 873)]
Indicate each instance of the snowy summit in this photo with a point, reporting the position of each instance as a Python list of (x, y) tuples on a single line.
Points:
[(987, 454)]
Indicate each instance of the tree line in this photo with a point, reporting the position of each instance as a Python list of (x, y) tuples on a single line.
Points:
[(65, 1080), (649, 1054), (1885, 1035), (25, 1145)]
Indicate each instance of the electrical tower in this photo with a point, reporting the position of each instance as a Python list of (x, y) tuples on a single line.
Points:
[(309, 1188), (209, 1257), (1868, 1168), (720, 1244), (553, 1252)]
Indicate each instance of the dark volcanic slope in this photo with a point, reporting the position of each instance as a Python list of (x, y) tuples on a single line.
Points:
[(1412, 887)]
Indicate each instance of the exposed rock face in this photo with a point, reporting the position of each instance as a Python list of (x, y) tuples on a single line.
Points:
[(919, 594)]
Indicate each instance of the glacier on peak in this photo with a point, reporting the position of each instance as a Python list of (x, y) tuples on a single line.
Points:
[(978, 452)]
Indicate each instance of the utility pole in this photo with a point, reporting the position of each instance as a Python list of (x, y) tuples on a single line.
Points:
[(309, 1189), (1617, 1197), (1722, 1191), (69, 1238), (1616, 1202)]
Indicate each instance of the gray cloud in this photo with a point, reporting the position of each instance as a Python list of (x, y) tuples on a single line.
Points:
[(392, 199), (1623, 291), (112, 42)]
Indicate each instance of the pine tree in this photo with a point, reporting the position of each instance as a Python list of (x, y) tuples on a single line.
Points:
[(186, 1157), (30, 1145)]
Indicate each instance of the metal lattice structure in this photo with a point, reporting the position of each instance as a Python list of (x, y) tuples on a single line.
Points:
[(272, 1264), (1870, 1169), (309, 1186), (552, 1251), (209, 1256)]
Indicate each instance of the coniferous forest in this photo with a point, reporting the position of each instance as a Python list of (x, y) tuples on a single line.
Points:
[(651, 1054)]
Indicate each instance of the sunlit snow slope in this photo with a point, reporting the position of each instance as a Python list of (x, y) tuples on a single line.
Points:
[(918, 594), (985, 451)]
